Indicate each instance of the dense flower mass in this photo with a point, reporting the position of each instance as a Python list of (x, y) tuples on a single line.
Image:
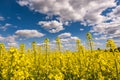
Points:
[(41, 63)]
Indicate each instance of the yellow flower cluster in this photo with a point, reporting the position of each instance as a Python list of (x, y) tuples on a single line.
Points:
[(35, 64)]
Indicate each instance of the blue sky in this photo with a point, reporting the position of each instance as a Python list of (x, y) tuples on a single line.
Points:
[(24, 21)]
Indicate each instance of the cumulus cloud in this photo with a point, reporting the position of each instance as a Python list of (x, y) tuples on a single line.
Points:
[(64, 35), (115, 12), (111, 28), (99, 45), (10, 40), (67, 40), (88, 12), (52, 26), (23, 2), (75, 10), (69, 43), (73, 38), (29, 33), (67, 37), (107, 28), (69, 46), (12, 44), (103, 37), (1, 38)]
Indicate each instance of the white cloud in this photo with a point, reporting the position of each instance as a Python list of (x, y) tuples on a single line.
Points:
[(73, 38), (115, 12), (29, 33), (67, 37), (96, 34), (10, 40), (112, 28), (64, 35), (107, 28), (2, 18), (1, 38), (99, 45), (4, 27), (66, 40), (70, 46), (101, 38), (23, 2), (76, 10), (117, 41), (12, 44), (88, 12), (81, 29), (52, 26)]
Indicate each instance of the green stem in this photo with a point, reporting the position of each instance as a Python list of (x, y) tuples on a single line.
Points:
[(116, 66)]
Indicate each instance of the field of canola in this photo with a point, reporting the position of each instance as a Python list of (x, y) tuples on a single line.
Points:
[(33, 65), (39, 64)]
